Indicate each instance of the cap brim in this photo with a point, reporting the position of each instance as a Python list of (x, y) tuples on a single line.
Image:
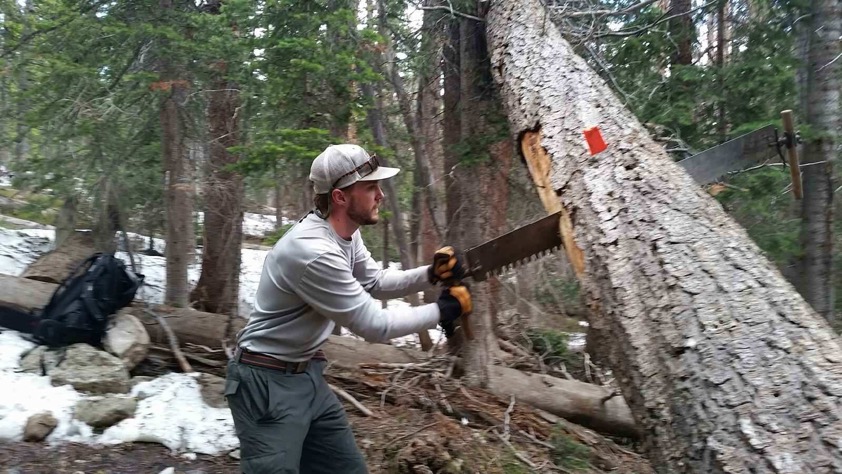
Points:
[(382, 172)]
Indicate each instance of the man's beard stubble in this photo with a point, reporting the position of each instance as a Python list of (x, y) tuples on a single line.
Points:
[(362, 216)]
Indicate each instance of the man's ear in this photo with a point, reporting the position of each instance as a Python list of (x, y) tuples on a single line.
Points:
[(338, 196)]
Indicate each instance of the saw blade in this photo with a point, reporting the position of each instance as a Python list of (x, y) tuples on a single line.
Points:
[(515, 248)]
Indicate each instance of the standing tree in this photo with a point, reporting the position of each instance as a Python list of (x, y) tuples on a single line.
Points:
[(724, 366), (218, 288), (476, 194), (815, 267), (178, 189)]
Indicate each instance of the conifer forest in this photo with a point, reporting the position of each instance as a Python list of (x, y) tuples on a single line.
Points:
[(687, 323)]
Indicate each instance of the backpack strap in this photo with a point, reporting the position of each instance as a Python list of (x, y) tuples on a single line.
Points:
[(86, 264)]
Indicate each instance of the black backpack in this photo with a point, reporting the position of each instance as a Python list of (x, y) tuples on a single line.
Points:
[(79, 308)]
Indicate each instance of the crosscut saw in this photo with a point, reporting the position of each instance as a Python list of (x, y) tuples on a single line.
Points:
[(534, 240)]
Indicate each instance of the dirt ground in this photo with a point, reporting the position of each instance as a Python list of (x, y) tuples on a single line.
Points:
[(421, 421), (427, 424), (36, 458), (400, 440)]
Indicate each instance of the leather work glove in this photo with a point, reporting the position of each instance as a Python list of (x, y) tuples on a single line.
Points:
[(454, 302), (448, 266)]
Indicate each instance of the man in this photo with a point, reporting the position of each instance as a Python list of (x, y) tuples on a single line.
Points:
[(320, 274)]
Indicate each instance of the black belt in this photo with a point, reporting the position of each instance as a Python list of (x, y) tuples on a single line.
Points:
[(256, 359)]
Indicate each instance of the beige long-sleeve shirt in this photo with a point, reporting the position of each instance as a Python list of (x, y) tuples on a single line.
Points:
[(313, 279)]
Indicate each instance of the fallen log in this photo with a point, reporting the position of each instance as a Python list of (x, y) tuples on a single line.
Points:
[(576, 401), (726, 368), (579, 402), (55, 265)]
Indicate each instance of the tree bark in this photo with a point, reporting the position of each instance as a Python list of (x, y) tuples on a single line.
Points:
[(429, 119), (452, 125), (725, 367), (108, 218), (218, 287), (178, 193), (485, 161), (577, 401), (815, 267), (21, 141), (65, 222), (682, 32), (178, 190)]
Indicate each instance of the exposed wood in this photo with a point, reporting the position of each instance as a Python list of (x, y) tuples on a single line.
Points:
[(577, 400), (725, 367), (55, 265), (540, 166)]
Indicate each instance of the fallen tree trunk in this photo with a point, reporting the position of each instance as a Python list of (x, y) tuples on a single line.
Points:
[(55, 265), (724, 365), (582, 403), (579, 402)]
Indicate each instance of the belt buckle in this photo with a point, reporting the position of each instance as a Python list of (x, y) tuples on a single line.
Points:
[(300, 367)]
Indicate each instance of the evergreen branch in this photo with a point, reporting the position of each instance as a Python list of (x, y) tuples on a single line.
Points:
[(661, 19), (30, 36), (625, 11), (127, 66), (454, 12)]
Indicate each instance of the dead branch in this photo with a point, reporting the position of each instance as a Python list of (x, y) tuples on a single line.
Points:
[(193, 357), (625, 11), (179, 356), (204, 348), (507, 418), (350, 399), (522, 457), (409, 435)]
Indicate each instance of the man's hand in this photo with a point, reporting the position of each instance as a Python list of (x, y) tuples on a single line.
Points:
[(448, 266), (454, 302)]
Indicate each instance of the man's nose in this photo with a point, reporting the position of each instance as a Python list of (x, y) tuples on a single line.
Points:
[(379, 196)]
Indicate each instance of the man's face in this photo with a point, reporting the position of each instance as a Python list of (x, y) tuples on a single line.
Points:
[(364, 199)]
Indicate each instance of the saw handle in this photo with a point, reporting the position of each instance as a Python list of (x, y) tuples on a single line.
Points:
[(450, 265)]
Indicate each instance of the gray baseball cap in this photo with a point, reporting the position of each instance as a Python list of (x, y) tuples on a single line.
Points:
[(340, 166)]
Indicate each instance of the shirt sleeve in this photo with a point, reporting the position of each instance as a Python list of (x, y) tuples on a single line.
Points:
[(331, 289), (387, 284)]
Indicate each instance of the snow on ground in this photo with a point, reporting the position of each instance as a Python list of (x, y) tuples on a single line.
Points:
[(170, 411)]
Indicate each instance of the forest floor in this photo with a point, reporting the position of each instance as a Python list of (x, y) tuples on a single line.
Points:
[(420, 421)]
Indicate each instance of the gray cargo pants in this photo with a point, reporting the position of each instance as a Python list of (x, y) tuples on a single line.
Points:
[(290, 423)]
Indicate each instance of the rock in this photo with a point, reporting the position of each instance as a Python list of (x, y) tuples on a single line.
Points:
[(105, 412), (213, 389), (39, 427), (90, 370), (40, 360), (235, 454), (127, 339)]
